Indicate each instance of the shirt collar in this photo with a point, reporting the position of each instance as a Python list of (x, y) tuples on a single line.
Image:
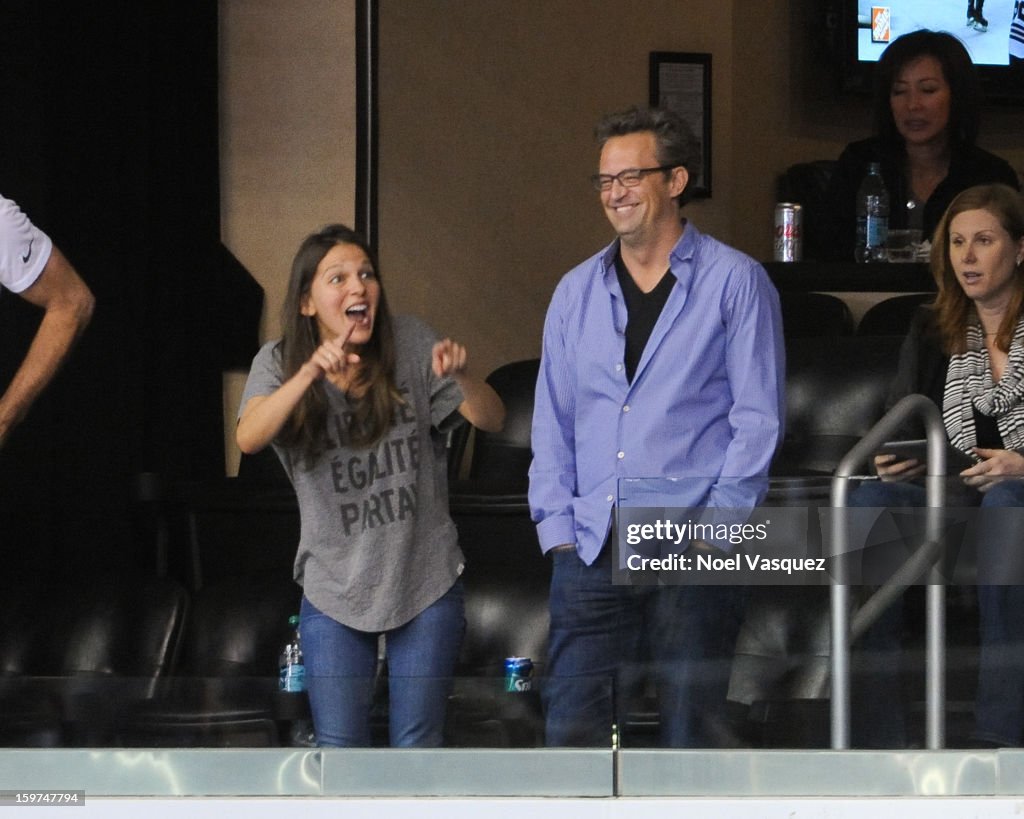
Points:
[(682, 252)]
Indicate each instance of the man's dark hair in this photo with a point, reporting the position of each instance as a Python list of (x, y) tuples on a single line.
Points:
[(676, 143)]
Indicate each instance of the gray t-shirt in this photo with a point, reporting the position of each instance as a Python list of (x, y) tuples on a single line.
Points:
[(377, 545)]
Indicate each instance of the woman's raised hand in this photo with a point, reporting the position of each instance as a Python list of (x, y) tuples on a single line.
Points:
[(330, 357), (448, 358)]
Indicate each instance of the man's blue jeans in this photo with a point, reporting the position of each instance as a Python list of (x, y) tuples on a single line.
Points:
[(999, 702), (341, 665), (604, 638)]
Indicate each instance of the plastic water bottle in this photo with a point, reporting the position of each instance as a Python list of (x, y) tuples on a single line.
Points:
[(291, 664), (292, 678), (872, 217)]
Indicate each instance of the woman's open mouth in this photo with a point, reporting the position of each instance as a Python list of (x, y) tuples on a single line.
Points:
[(359, 314)]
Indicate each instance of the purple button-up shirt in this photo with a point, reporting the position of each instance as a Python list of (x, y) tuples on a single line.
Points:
[(706, 402)]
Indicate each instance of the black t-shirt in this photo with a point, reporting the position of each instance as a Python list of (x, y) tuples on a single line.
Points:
[(642, 310)]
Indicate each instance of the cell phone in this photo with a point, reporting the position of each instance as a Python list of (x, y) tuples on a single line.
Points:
[(956, 461)]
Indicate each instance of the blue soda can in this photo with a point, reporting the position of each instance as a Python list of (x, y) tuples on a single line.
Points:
[(518, 674)]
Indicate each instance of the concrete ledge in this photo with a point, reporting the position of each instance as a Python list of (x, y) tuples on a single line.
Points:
[(463, 772), (164, 772), (453, 773), (808, 773)]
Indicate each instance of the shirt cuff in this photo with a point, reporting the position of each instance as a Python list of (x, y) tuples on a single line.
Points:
[(555, 531)]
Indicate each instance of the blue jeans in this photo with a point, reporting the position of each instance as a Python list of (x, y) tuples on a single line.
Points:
[(341, 665), (878, 703), (999, 702), (605, 638)]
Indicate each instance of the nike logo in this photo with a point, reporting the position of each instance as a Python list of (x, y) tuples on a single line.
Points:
[(28, 254)]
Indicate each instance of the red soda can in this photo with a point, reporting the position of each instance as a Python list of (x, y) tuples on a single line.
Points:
[(789, 228)]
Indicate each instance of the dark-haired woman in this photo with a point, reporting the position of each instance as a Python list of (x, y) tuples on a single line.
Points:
[(967, 354), (356, 403), (926, 105)]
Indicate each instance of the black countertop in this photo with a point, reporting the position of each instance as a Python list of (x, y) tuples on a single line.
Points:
[(830, 277)]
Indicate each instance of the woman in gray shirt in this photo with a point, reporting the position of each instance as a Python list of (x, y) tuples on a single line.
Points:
[(356, 403)]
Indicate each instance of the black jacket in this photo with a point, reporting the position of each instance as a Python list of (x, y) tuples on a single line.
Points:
[(969, 166)]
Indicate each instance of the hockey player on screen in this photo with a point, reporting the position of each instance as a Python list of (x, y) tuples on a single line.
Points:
[(1017, 36), (974, 18)]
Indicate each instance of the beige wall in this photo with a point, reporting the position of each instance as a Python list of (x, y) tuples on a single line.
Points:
[(486, 114), (486, 118), (287, 126)]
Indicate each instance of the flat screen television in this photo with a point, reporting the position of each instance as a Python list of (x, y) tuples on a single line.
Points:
[(862, 30)]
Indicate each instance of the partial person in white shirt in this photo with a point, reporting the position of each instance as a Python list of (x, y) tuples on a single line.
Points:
[(34, 268)]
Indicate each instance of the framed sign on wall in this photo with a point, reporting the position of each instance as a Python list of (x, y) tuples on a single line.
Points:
[(681, 82)]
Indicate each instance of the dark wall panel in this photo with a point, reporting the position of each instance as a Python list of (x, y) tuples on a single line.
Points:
[(111, 146)]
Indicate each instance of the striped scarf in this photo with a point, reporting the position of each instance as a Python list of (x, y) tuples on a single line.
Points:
[(969, 386)]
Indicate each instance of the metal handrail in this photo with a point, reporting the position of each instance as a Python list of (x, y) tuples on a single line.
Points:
[(862, 452)]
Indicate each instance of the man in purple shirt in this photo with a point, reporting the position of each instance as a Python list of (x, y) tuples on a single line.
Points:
[(662, 357)]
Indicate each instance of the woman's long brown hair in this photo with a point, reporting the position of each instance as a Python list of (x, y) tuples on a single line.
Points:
[(374, 410), (954, 311)]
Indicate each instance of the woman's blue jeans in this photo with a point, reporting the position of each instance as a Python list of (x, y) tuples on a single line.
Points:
[(341, 669), (999, 702)]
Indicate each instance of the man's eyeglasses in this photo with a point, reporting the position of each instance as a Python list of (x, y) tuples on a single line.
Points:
[(628, 178)]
